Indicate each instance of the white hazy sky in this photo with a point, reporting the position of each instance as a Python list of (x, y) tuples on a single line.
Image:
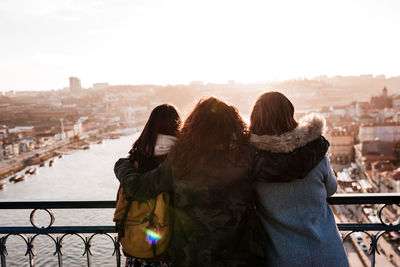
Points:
[(43, 42)]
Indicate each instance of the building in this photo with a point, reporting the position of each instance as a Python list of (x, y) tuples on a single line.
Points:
[(74, 85), (396, 102), (338, 110), (3, 131), (366, 119), (361, 109), (15, 149), (378, 150), (380, 131), (78, 131), (21, 131), (136, 116), (100, 86), (27, 144), (45, 139), (8, 150), (2, 152), (341, 150), (382, 101), (368, 153), (351, 110)]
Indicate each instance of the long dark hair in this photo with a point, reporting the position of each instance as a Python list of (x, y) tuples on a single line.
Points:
[(213, 129), (273, 114), (164, 119)]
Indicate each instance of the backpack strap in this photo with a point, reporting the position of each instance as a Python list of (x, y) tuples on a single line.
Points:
[(121, 225), (151, 222)]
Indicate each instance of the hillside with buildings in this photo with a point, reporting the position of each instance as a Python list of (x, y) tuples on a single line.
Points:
[(363, 115)]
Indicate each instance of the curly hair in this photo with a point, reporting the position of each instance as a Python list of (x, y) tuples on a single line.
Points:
[(213, 129)]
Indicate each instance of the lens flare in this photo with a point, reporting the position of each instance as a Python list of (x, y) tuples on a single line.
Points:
[(152, 237)]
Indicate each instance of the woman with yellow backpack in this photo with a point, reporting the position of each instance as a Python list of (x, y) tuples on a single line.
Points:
[(143, 224)]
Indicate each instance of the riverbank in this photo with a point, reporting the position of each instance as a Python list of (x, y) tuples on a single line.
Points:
[(21, 163), (38, 157)]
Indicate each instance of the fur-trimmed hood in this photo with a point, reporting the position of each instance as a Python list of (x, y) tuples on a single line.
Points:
[(310, 127)]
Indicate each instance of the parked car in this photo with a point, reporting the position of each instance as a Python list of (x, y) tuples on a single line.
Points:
[(348, 190), (367, 211), (364, 247), (394, 236), (359, 238), (373, 218), (356, 186)]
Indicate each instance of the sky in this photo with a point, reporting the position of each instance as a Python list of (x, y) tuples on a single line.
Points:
[(43, 42)]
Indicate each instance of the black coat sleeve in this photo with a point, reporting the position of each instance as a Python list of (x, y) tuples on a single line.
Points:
[(142, 186), (286, 167)]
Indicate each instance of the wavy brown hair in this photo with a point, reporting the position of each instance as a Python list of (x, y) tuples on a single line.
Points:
[(213, 129), (273, 114)]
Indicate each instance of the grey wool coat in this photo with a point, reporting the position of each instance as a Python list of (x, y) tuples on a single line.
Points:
[(300, 226)]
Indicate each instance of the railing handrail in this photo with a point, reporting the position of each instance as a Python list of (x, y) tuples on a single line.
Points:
[(364, 198), (57, 204), (337, 199), (58, 229)]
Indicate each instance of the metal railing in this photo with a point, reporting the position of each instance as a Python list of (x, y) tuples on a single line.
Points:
[(86, 233), (374, 230)]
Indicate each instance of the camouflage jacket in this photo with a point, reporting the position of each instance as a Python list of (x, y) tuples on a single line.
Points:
[(214, 223)]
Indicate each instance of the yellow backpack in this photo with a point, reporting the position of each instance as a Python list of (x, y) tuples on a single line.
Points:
[(143, 227)]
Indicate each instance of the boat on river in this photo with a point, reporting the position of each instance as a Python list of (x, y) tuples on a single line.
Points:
[(20, 178), (33, 171), (3, 186), (51, 162), (12, 179)]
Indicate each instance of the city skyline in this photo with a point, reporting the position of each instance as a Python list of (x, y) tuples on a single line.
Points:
[(176, 42)]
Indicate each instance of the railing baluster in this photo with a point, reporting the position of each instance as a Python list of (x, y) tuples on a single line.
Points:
[(373, 260), (3, 251), (3, 261), (60, 263), (117, 251), (88, 252), (30, 251), (373, 247), (59, 251)]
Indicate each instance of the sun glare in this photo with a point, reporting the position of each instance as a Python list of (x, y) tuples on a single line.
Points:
[(173, 42)]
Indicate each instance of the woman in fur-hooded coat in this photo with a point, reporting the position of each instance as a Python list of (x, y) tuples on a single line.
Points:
[(301, 229)]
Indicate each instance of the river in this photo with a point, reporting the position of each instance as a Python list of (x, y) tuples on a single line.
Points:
[(79, 175)]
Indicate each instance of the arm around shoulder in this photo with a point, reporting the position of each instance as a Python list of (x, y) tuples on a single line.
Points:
[(142, 186), (286, 167)]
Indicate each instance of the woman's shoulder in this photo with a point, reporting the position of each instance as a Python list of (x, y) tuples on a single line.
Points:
[(282, 167)]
